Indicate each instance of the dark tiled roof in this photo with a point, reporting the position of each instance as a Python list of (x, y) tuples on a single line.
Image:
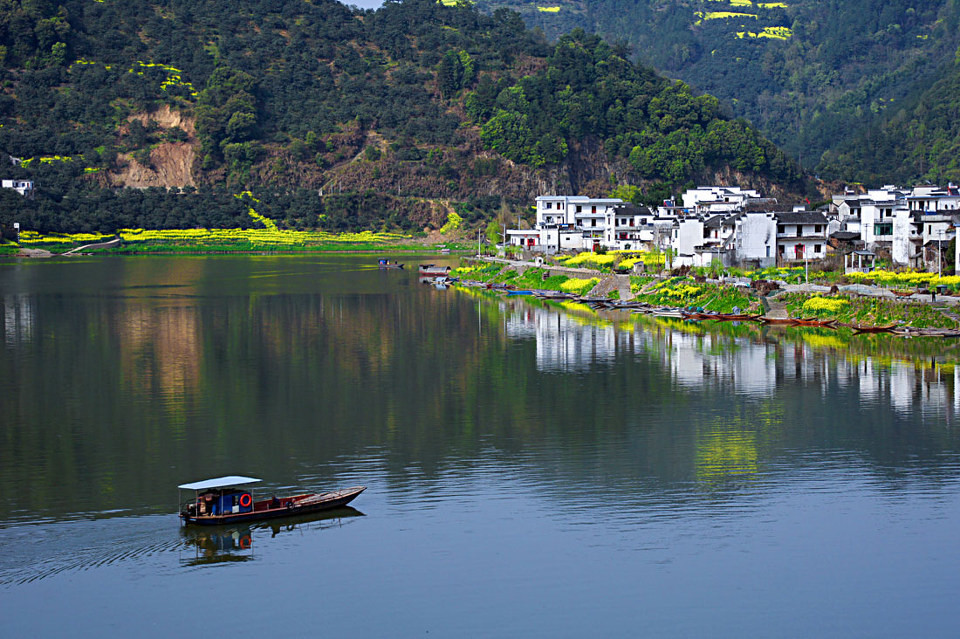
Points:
[(801, 217), (845, 236), (763, 206), (629, 208), (714, 221)]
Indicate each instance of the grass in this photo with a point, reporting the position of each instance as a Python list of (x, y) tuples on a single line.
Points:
[(871, 311), (198, 241)]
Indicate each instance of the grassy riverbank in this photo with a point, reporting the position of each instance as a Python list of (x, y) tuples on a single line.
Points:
[(200, 241), (695, 291)]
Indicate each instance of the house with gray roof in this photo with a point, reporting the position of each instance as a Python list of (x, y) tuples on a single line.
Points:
[(801, 235)]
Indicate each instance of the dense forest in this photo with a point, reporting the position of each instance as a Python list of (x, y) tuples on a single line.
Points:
[(336, 117), (819, 79)]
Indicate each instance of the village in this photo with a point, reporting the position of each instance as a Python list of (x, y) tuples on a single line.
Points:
[(735, 227)]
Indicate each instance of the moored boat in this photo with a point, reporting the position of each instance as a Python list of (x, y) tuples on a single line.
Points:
[(224, 500), (778, 321), (432, 270), (387, 264), (860, 328), (812, 321), (667, 312)]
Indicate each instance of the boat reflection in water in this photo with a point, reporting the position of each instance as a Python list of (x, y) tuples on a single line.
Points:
[(227, 544)]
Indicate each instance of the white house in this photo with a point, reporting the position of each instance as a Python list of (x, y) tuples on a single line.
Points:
[(903, 249), (685, 238), (573, 222), (628, 227), (934, 199), (801, 235), (717, 199), (23, 187), (756, 238), (876, 220)]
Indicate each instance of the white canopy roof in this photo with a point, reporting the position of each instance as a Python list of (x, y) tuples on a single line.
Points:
[(220, 482)]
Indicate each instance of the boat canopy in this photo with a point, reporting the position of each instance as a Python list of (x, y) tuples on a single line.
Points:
[(220, 482)]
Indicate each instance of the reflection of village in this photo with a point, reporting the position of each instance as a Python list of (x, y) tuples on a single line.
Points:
[(755, 365)]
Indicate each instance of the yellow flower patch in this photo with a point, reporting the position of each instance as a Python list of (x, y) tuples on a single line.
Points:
[(578, 286), (825, 304)]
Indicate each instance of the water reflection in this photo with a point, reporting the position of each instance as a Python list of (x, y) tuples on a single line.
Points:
[(230, 544), (122, 378), (18, 319), (748, 360), (496, 436)]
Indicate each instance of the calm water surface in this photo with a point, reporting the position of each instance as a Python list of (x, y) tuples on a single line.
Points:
[(531, 471)]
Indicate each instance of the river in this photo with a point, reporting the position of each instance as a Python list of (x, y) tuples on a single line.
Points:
[(531, 470)]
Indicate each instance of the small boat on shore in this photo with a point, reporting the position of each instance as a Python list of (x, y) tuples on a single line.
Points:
[(223, 500), (667, 312), (812, 321), (860, 328), (432, 270), (778, 321)]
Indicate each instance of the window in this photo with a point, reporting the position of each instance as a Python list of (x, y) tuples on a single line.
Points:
[(548, 205), (818, 248), (593, 222), (883, 228), (594, 209), (579, 209), (818, 228)]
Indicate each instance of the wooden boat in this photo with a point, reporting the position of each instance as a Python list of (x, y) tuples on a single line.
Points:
[(778, 321), (432, 270), (860, 328), (702, 315), (812, 321), (909, 331), (554, 295), (738, 317), (387, 264), (667, 312), (222, 500)]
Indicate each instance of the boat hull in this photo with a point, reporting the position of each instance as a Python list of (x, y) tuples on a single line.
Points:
[(287, 507)]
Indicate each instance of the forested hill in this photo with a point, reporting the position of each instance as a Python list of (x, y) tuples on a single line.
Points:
[(921, 139), (815, 77), (382, 114)]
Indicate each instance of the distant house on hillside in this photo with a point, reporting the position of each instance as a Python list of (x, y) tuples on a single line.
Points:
[(23, 187)]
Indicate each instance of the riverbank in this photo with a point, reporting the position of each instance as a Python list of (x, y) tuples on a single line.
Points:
[(227, 241), (856, 305)]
